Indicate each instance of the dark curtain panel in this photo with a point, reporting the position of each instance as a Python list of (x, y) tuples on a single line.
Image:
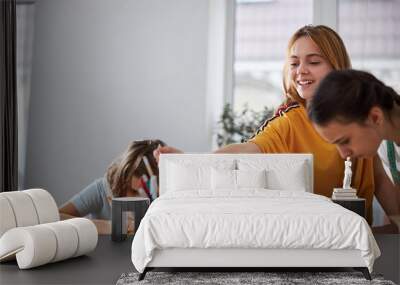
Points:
[(8, 97)]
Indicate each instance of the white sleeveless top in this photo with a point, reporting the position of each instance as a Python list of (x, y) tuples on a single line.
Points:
[(382, 152)]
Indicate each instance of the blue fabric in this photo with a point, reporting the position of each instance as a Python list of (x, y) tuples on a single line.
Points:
[(93, 200)]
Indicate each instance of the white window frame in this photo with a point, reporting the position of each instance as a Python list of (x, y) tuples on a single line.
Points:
[(325, 13), (221, 47), (220, 60)]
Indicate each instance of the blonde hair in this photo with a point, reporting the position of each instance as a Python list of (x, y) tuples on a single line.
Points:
[(129, 164), (331, 46)]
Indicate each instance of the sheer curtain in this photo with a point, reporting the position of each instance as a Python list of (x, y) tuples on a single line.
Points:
[(25, 33)]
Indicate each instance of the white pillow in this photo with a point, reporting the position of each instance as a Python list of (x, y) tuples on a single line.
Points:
[(236, 179), (189, 175), (251, 178), (223, 179), (290, 173), (292, 179), (185, 177)]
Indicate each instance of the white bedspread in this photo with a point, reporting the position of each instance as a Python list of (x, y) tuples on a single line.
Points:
[(250, 219)]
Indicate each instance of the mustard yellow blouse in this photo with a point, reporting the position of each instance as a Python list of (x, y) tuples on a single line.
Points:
[(291, 131)]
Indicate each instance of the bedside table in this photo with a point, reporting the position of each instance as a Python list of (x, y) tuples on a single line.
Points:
[(119, 218), (355, 205)]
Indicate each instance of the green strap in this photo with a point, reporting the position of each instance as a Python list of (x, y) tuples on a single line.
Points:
[(392, 162)]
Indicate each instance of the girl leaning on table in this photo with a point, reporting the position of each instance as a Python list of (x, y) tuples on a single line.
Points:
[(133, 173), (361, 115), (313, 52)]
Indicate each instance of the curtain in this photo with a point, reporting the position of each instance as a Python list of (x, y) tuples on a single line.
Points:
[(8, 97)]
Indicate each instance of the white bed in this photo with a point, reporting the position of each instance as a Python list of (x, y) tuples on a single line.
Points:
[(247, 210)]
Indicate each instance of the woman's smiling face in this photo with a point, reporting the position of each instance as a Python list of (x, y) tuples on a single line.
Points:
[(307, 66)]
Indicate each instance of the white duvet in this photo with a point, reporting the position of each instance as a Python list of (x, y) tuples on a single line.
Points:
[(250, 219)]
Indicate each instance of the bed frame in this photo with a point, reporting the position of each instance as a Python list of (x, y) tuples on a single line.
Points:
[(242, 259), (245, 258)]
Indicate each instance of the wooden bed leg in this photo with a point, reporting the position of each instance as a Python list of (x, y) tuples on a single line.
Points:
[(364, 271), (143, 274)]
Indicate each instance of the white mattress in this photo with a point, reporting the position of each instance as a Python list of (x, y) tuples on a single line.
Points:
[(252, 218)]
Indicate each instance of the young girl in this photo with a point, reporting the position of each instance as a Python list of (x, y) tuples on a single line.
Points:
[(123, 178), (313, 52), (361, 115)]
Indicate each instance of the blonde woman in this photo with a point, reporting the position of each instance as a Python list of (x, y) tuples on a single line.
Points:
[(121, 179), (312, 53)]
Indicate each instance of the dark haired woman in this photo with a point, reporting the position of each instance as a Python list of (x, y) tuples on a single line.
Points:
[(361, 115), (122, 179)]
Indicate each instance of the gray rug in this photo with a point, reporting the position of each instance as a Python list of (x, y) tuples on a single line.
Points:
[(228, 278)]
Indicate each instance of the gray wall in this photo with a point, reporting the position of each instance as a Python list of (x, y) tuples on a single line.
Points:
[(108, 72)]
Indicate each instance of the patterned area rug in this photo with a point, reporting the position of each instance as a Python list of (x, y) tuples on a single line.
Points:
[(229, 278)]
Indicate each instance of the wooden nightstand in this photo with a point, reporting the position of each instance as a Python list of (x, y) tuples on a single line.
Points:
[(355, 205)]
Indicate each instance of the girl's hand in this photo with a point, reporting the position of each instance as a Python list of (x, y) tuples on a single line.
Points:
[(164, 149)]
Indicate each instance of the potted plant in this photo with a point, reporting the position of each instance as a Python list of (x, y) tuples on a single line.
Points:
[(236, 127)]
